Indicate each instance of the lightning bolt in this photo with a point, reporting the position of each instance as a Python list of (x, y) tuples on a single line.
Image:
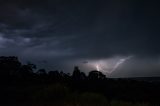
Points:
[(120, 62), (98, 67)]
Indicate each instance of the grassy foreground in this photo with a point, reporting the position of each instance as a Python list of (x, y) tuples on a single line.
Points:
[(60, 95)]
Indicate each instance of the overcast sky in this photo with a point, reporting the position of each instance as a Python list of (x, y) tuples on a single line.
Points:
[(119, 37)]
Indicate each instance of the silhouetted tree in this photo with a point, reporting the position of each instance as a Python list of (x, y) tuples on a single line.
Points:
[(76, 73), (42, 76), (54, 75), (32, 66), (27, 70), (83, 76), (94, 75), (9, 65), (41, 72)]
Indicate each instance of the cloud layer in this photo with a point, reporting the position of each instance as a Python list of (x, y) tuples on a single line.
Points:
[(67, 32)]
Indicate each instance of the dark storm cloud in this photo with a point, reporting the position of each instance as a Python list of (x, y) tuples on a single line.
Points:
[(61, 31)]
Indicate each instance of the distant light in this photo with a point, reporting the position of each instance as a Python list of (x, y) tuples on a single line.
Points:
[(97, 67)]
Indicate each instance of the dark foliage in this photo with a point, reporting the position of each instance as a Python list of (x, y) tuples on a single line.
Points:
[(14, 76)]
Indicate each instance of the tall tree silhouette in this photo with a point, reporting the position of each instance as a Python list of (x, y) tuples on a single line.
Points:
[(27, 70), (9, 66), (77, 74)]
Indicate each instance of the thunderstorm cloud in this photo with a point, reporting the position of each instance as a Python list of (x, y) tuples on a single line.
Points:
[(59, 34)]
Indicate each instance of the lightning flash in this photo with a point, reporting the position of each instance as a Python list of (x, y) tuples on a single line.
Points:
[(108, 66), (120, 62), (98, 67)]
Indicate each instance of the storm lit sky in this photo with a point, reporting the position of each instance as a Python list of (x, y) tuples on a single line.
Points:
[(121, 38)]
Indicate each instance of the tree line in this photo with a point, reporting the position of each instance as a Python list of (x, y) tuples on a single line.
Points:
[(13, 73), (11, 67)]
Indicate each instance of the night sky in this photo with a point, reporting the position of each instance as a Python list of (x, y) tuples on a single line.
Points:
[(118, 37)]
